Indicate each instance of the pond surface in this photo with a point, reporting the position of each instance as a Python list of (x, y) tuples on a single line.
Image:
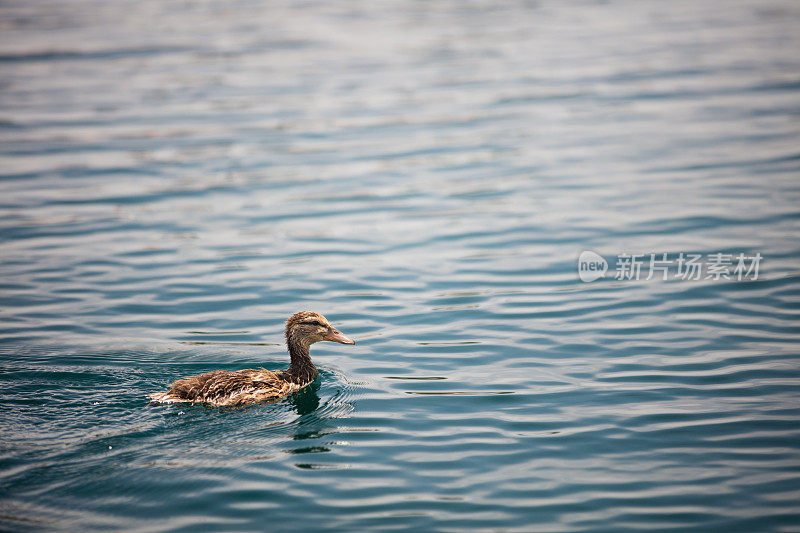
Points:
[(177, 178)]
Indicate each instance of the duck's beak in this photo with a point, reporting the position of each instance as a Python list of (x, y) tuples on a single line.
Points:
[(335, 335)]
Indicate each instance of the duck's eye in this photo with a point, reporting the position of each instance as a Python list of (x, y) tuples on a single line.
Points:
[(313, 323)]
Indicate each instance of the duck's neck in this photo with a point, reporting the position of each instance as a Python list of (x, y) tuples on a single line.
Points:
[(302, 370)]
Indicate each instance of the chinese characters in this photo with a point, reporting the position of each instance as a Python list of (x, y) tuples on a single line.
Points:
[(688, 266)]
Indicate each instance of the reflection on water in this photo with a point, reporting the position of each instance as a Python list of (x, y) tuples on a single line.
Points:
[(306, 400), (178, 178)]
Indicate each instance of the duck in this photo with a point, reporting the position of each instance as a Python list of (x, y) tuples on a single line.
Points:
[(254, 385)]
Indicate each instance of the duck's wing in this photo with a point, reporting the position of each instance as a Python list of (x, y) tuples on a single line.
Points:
[(211, 387), (264, 386), (223, 387)]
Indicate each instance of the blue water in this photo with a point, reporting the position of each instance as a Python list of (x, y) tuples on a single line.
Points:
[(177, 178)]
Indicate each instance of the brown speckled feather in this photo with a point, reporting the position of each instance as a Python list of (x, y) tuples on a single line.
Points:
[(222, 387), (226, 388)]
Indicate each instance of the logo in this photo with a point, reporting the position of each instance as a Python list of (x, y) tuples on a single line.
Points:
[(591, 266)]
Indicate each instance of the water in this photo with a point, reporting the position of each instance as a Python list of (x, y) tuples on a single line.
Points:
[(178, 178)]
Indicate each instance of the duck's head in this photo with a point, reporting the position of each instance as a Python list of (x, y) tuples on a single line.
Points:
[(308, 327)]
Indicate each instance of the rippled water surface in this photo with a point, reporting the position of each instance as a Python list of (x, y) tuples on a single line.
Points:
[(177, 178)]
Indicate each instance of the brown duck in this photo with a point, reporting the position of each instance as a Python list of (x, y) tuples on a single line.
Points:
[(223, 387)]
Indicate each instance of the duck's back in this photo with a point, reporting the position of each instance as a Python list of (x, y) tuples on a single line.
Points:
[(223, 387)]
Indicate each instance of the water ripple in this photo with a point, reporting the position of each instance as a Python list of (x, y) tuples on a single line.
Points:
[(176, 180)]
